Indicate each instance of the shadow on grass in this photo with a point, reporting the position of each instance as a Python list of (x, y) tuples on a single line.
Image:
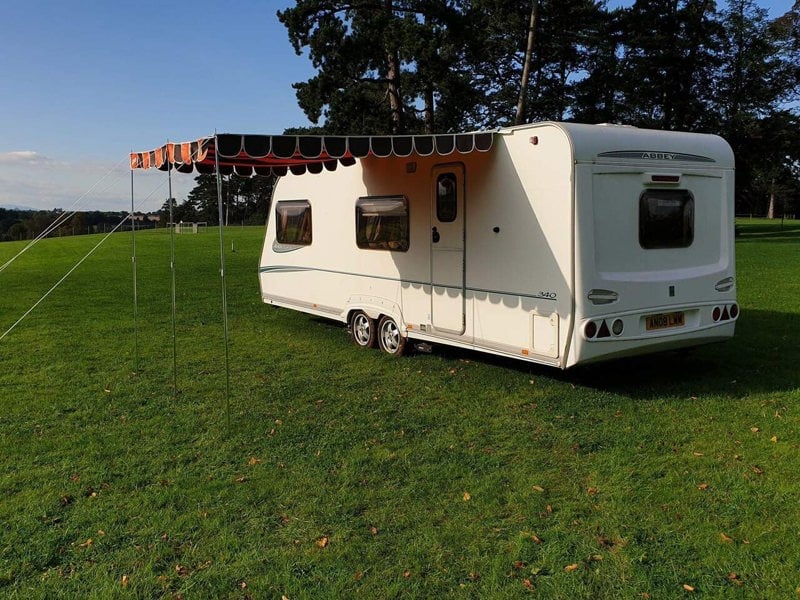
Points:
[(772, 232), (763, 356)]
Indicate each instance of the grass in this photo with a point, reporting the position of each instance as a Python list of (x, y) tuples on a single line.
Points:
[(347, 473)]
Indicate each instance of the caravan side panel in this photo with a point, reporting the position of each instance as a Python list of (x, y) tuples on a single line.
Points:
[(519, 246)]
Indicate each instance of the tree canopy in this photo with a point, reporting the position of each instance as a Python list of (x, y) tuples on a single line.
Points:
[(410, 66)]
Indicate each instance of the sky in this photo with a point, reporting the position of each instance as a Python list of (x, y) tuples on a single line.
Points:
[(83, 83)]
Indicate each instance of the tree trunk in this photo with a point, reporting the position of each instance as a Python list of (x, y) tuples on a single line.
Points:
[(771, 209), (429, 109), (526, 66), (393, 90)]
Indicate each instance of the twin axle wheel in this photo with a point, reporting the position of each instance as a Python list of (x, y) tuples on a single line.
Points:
[(365, 333)]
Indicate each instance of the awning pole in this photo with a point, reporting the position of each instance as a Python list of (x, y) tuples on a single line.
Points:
[(224, 286), (171, 200), (135, 295)]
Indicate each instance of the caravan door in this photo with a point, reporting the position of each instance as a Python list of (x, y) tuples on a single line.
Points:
[(447, 249)]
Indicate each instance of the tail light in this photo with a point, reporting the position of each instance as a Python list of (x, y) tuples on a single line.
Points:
[(725, 312), (594, 331)]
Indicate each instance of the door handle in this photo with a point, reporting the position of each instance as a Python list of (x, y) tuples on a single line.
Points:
[(435, 235)]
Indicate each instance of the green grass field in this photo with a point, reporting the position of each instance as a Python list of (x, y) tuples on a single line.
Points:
[(348, 473)]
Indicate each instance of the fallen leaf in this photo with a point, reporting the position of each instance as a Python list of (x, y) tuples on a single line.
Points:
[(74, 477), (181, 570), (774, 439), (702, 486), (241, 479), (536, 539), (323, 542), (243, 585), (87, 543), (467, 496), (473, 576), (373, 530), (737, 457), (596, 557), (100, 532), (548, 508), (528, 584), (406, 574), (570, 568), (358, 576), (538, 488), (592, 491), (735, 579), (278, 422), (688, 587), (125, 581), (755, 429), (697, 453), (254, 461), (519, 564), (725, 538), (758, 470)]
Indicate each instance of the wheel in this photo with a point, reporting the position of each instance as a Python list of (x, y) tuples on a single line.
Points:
[(362, 329), (390, 339)]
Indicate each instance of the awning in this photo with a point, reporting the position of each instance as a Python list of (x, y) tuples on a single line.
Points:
[(277, 154)]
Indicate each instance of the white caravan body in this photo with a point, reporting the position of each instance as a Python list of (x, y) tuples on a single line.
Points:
[(561, 245)]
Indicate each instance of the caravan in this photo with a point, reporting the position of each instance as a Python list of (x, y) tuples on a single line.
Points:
[(559, 244), (556, 243)]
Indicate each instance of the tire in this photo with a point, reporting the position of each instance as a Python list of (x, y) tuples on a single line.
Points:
[(390, 339), (362, 329)]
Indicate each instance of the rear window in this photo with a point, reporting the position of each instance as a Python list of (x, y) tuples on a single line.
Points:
[(666, 219)]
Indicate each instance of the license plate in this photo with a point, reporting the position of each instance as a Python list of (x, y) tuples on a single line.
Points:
[(665, 321)]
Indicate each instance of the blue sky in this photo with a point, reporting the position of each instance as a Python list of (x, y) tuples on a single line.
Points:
[(83, 83)]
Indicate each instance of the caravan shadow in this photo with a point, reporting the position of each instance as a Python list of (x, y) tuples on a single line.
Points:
[(763, 356)]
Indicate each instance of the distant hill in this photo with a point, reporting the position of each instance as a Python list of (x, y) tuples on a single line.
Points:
[(16, 207)]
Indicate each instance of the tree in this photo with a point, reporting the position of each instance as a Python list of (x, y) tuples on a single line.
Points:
[(669, 59), (558, 59), (384, 66), (757, 79)]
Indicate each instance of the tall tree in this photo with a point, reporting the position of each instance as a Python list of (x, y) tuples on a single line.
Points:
[(757, 80), (670, 55), (382, 65), (558, 59)]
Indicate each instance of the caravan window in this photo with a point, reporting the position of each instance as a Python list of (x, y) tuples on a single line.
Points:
[(293, 222), (666, 219), (446, 198), (382, 223)]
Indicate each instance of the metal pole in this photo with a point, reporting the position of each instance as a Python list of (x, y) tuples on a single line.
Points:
[(224, 287), (172, 270), (135, 295)]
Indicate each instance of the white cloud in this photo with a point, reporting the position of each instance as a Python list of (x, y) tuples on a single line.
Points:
[(30, 179), (30, 157)]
